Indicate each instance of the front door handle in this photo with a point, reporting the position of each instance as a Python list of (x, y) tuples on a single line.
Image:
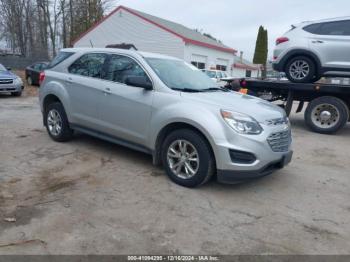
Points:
[(69, 80), (317, 42)]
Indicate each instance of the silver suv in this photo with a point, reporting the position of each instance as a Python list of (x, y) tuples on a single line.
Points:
[(311, 50), (165, 107)]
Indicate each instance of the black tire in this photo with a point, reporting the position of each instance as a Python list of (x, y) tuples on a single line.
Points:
[(206, 167), (342, 115), (30, 81), (66, 133), (19, 93), (309, 78)]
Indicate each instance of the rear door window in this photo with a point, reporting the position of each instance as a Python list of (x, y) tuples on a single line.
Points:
[(37, 67), (90, 65)]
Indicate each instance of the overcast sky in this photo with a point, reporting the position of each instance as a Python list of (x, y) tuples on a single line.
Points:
[(236, 22)]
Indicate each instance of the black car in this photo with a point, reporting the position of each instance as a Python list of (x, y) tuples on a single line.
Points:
[(33, 72)]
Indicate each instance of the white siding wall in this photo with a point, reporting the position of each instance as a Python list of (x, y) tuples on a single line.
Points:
[(213, 57), (123, 27)]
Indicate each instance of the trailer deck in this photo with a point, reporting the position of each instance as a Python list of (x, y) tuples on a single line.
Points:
[(328, 104)]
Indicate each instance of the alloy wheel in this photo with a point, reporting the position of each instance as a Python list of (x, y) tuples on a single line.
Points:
[(183, 159), (54, 122), (299, 69)]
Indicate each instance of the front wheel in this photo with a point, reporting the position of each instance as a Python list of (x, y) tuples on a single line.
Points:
[(187, 158), (301, 69), (326, 115)]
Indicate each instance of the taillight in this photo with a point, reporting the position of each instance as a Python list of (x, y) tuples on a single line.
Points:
[(281, 40), (41, 78), (243, 83)]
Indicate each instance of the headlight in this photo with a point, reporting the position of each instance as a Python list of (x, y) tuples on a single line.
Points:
[(18, 81), (241, 123)]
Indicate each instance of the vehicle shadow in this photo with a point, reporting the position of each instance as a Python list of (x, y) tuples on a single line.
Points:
[(6, 96), (139, 158)]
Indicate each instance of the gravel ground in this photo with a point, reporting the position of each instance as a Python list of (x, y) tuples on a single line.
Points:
[(92, 197)]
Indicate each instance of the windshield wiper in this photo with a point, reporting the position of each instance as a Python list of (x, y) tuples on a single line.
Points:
[(216, 89), (190, 90)]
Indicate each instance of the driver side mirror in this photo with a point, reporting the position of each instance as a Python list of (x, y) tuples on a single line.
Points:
[(8, 68), (139, 81)]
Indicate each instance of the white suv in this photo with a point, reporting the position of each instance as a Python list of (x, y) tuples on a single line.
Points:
[(311, 50)]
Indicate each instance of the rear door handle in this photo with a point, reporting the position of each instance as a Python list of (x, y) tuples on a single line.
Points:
[(69, 80), (107, 91), (317, 42)]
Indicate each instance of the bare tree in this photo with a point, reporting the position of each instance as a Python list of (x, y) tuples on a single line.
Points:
[(43, 26)]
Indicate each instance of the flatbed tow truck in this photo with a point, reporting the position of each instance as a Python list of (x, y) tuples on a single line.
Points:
[(328, 104)]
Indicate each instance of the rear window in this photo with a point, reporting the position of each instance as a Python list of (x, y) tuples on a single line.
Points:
[(59, 58)]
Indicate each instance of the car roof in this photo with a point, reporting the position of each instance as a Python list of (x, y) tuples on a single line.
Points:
[(325, 20), (118, 51)]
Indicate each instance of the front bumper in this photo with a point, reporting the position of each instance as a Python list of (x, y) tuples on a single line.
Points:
[(243, 157), (10, 88), (233, 176)]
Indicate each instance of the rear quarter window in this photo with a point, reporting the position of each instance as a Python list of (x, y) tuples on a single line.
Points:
[(313, 29), (59, 59)]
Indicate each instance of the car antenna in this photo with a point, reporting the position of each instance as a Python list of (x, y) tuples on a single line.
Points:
[(91, 44)]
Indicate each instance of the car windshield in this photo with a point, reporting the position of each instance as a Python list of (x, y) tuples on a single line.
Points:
[(2, 68), (211, 74), (179, 75)]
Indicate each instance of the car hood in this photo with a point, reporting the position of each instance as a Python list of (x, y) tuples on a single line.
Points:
[(257, 108), (7, 75)]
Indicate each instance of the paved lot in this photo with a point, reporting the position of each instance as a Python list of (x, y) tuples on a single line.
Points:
[(91, 197)]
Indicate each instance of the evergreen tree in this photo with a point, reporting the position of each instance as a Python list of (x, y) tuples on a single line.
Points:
[(261, 49)]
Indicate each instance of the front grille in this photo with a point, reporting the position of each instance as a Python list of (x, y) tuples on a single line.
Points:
[(280, 142), (7, 89), (6, 81)]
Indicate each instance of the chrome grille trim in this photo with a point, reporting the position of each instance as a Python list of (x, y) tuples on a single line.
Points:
[(6, 81), (280, 141), (277, 121)]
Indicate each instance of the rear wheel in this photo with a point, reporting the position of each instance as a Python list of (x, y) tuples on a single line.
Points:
[(56, 122), (301, 69), (29, 80), (326, 115), (187, 158)]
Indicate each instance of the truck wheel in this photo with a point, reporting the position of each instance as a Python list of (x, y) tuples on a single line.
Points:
[(187, 158), (56, 123), (326, 115), (300, 69)]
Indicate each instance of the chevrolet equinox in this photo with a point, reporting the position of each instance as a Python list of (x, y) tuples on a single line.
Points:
[(165, 107)]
